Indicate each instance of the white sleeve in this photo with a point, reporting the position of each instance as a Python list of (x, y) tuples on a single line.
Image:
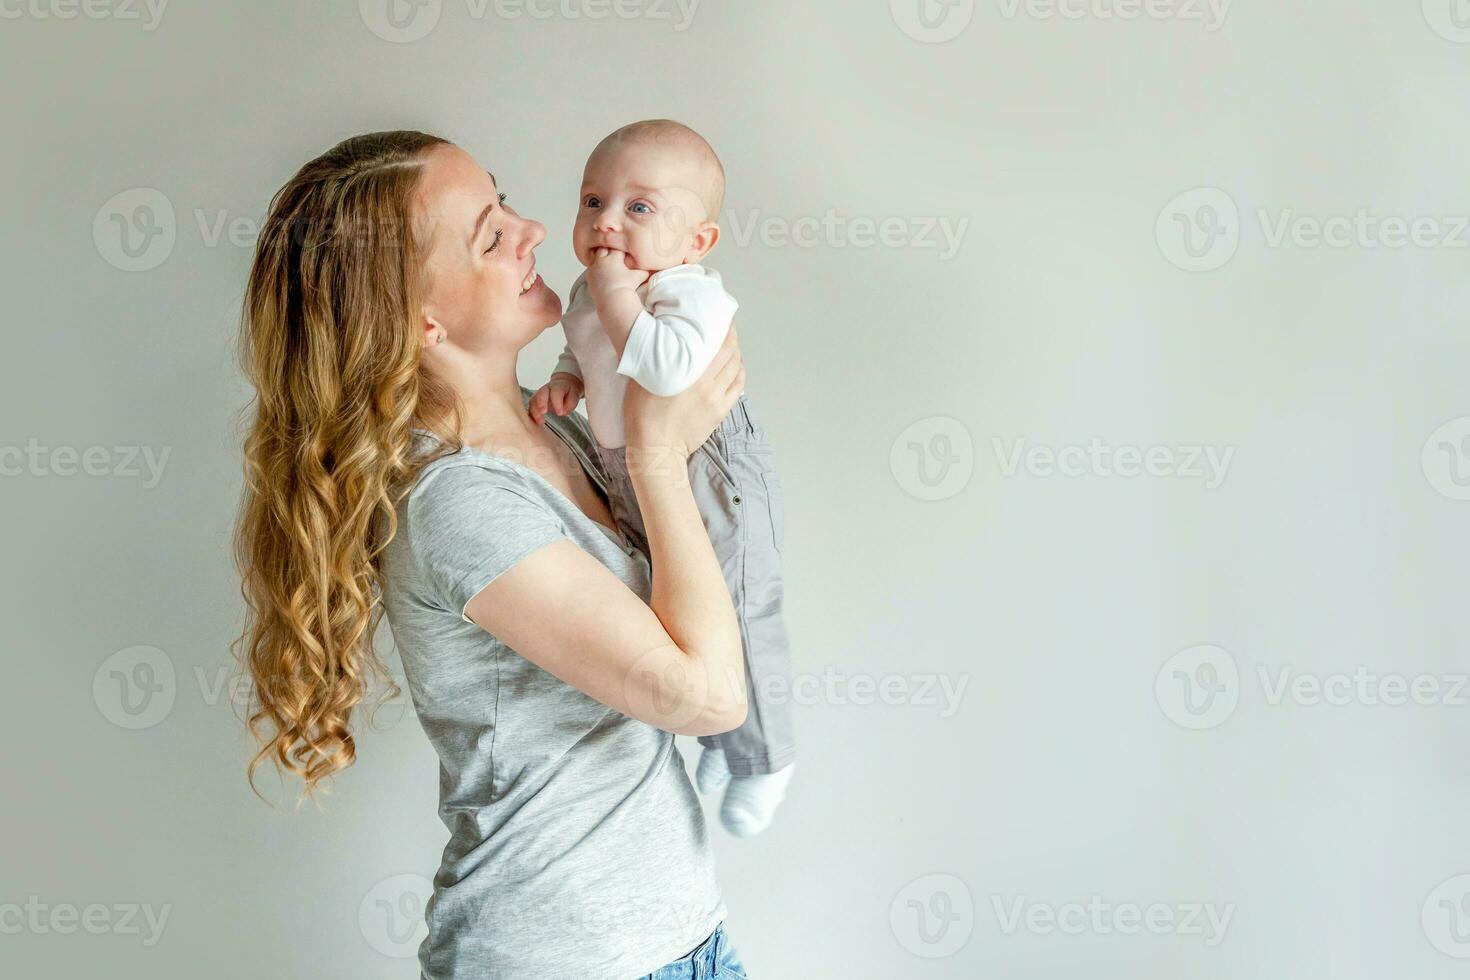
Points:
[(686, 317), (568, 360)]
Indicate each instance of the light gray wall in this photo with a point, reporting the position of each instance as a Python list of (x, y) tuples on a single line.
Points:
[(1078, 618)]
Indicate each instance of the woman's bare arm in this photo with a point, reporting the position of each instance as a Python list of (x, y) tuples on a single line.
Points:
[(566, 612), (674, 663)]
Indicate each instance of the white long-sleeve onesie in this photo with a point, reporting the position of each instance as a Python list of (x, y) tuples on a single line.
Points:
[(686, 315)]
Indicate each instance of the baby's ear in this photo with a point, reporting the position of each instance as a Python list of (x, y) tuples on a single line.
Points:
[(704, 241)]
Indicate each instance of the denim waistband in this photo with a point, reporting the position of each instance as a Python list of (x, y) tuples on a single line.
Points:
[(706, 956)]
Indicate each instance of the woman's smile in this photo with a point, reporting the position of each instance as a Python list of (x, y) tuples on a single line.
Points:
[(532, 278)]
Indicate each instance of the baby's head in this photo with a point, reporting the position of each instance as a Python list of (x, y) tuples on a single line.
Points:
[(654, 190)]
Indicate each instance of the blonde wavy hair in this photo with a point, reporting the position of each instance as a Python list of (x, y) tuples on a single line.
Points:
[(331, 338)]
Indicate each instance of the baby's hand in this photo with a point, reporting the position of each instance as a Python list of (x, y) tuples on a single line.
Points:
[(560, 394), (609, 273)]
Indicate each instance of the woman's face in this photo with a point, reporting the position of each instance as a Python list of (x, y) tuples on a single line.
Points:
[(481, 284)]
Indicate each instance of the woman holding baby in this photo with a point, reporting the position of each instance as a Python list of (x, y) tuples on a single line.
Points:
[(394, 466)]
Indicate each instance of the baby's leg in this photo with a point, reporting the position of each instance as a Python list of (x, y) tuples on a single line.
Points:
[(738, 491), (622, 499)]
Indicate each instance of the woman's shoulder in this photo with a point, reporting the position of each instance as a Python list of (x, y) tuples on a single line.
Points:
[(451, 471), (469, 506)]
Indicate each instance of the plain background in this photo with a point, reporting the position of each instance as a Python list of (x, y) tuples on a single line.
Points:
[(888, 372)]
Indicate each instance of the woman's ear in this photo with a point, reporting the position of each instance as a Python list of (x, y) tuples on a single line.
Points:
[(703, 241), (433, 334)]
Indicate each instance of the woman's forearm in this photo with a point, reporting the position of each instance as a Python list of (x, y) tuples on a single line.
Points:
[(689, 593)]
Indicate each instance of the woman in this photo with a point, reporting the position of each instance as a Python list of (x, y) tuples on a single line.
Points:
[(393, 465)]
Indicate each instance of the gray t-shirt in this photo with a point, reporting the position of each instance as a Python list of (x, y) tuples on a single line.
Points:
[(577, 847)]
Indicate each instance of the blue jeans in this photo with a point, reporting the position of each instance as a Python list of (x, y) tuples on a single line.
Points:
[(713, 959)]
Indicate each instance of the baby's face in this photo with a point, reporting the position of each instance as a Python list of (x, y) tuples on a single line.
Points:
[(641, 198)]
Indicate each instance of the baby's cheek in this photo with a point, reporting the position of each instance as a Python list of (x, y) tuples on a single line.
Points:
[(661, 244), (582, 241)]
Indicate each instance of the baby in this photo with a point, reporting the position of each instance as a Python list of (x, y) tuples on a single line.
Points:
[(647, 309)]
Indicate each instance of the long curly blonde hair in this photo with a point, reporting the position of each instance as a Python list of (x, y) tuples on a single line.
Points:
[(331, 338)]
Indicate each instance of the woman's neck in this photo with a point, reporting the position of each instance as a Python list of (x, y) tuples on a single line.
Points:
[(491, 409)]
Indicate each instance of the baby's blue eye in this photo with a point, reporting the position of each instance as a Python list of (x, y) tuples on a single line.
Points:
[(593, 202), (638, 207)]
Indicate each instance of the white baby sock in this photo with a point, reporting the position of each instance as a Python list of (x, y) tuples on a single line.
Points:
[(712, 773), (750, 801)]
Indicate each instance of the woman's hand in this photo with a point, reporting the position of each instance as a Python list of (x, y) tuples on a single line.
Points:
[(681, 422)]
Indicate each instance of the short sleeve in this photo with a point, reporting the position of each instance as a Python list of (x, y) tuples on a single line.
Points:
[(468, 526)]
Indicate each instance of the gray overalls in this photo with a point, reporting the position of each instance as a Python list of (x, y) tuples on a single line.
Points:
[(738, 493)]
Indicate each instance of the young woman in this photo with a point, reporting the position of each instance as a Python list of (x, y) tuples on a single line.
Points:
[(393, 466)]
